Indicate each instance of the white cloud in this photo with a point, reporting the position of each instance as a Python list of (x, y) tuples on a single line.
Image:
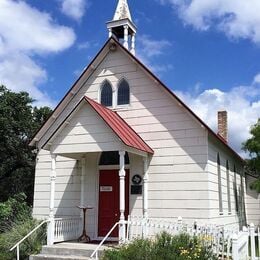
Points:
[(242, 104), (236, 18), (26, 33), (149, 49), (152, 47), (84, 45), (74, 8), (257, 79)]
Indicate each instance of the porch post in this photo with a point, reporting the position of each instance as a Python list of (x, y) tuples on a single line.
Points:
[(122, 196), (145, 193), (82, 182), (51, 225), (125, 36)]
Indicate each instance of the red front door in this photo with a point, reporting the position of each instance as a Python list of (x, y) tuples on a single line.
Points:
[(108, 212)]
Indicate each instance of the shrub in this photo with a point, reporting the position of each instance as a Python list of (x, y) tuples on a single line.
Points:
[(164, 247), (139, 249), (17, 222)]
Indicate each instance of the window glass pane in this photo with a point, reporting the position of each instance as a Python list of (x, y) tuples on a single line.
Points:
[(112, 158), (219, 186), (106, 95), (228, 186), (123, 96), (235, 189)]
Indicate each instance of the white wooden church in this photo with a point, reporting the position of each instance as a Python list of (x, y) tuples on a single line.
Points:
[(122, 143)]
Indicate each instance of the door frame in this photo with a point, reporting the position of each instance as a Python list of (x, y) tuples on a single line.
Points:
[(106, 167)]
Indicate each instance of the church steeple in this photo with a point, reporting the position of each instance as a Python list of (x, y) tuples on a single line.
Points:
[(122, 26), (122, 11)]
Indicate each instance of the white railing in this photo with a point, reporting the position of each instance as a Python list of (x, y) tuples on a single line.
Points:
[(95, 253), (66, 229), (17, 245)]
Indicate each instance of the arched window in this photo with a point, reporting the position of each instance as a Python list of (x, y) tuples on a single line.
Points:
[(112, 158), (106, 94), (123, 95)]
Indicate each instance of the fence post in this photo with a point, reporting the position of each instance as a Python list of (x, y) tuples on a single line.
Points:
[(252, 240), (195, 227), (179, 224), (235, 255), (258, 235), (246, 233), (144, 224), (50, 232)]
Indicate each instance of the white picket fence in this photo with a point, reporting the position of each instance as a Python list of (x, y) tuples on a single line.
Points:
[(228, 243)]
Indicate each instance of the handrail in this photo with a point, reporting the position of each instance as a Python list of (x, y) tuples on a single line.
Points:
[(103, 240), (18, 243), (66, 218)]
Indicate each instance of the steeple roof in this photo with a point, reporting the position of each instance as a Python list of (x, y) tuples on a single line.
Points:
[(122, 11)]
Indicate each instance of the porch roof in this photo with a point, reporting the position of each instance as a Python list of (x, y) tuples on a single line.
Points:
[(120, 127)]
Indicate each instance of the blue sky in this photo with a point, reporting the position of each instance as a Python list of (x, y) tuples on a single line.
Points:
[(208, 52)]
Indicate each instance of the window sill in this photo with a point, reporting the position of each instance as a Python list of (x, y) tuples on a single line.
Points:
[(122, 108)]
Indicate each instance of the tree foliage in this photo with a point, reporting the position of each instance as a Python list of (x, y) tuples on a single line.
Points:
[(252, 145), (14, 209), (18, 122)]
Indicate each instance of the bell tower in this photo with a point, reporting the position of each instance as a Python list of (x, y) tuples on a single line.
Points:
[(122, 26)]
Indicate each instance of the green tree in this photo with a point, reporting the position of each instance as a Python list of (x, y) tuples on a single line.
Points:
[(18, 122), (252, 145)]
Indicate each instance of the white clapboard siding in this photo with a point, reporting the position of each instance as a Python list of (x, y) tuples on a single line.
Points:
[(188, 214), (227, 217), (66, 179), (179, 159), (183, 195), (178, 177), (82, 136), (252, 203)]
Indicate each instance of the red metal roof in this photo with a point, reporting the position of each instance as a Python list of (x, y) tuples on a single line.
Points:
[(128, 136)]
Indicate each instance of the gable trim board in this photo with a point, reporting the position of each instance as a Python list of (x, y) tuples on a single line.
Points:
[(68, 97), (90, 69), (117, 124)]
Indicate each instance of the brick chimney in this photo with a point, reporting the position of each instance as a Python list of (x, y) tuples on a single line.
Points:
[(223, 125)]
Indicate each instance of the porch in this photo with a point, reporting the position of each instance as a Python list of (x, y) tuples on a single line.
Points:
[(107, 154), (105, 184)]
